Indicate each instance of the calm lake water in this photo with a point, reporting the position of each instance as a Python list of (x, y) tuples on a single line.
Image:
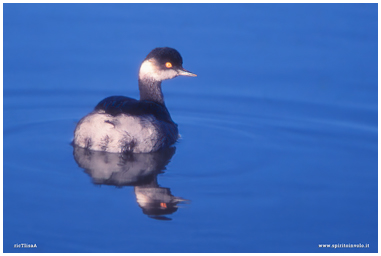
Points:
[(279, 130)]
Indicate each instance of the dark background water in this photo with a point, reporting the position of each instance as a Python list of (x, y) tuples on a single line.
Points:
[(279, 130)]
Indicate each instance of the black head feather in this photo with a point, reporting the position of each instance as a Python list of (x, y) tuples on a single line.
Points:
[(165, 54)]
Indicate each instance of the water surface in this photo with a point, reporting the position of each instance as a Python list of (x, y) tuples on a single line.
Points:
[(279, 130)]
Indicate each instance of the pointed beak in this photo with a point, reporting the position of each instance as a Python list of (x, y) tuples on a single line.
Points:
[(184, 72)]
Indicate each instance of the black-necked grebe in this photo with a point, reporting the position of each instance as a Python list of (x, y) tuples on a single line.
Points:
[(120, 124)]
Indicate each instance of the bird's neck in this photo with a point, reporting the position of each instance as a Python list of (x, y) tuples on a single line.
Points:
[(150, 89)]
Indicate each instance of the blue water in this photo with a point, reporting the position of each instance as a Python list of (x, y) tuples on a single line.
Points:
[(279, 130)]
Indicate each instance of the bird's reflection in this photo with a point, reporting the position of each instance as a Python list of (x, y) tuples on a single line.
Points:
[(138, 170)]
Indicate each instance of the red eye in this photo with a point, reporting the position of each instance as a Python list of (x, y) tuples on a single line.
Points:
[(168, 64)]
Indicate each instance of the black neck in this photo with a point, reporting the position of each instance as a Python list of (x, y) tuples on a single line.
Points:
[(151, 90)]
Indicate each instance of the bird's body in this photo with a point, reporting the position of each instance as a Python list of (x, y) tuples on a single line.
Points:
[(124, 125)]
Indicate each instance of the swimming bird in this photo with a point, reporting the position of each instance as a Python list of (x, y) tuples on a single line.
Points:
[(120, 124)]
